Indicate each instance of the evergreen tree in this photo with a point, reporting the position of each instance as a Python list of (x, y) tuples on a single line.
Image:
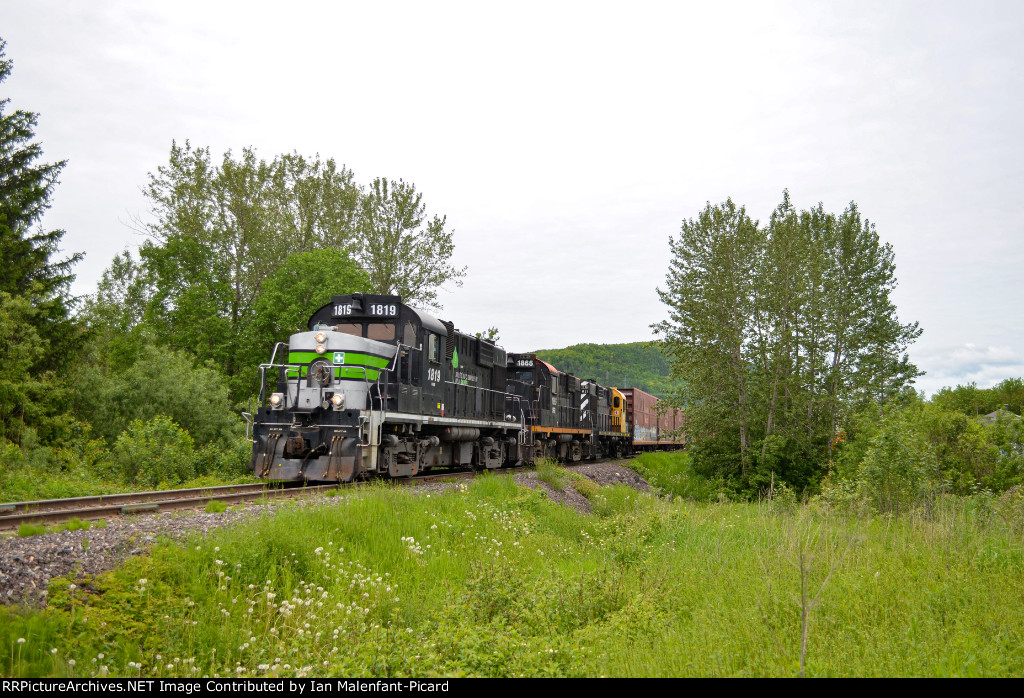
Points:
[(26, 186), (39, 337)]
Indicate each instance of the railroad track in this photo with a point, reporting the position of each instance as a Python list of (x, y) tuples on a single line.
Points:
[(52, 511), (105, 506)]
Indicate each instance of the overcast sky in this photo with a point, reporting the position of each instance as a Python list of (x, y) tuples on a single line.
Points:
[(565, 142)]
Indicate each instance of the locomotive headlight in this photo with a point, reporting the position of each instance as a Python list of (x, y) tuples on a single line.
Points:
[(321, 338), (338, 400), (320, 348), (277, 401)]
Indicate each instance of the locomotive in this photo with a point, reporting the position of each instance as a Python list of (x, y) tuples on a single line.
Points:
[(375, 386)]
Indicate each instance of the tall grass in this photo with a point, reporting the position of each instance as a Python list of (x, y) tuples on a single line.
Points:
[(492, 579), (671, 472)]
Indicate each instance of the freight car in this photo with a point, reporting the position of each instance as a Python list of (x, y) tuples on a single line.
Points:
[(652, 428), (374, 386)]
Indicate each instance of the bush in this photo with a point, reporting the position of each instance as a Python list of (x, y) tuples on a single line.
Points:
[(153, 452), (895, 474), (1007, 437), (230, 458), (161, 381)]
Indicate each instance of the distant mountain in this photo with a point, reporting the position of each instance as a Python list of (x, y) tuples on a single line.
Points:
[(636, 365)]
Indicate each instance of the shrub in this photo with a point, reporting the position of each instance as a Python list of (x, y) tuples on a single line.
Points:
[(895, 473), (1007, 437), (160, 381), (229, 458), (153, 452)]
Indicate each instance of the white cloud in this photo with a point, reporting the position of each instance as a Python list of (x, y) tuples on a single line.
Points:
[(969, 363)]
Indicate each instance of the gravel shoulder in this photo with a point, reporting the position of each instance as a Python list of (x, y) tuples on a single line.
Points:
[(27, 564)]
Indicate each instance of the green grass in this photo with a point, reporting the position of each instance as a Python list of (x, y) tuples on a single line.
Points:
[(549, 472), (215, 507), (671, 472), (494, 579), (30, 529)]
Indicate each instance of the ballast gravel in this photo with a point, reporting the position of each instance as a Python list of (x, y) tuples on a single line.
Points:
[(28, 563)]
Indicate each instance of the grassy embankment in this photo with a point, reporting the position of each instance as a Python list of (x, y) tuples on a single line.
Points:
[(495, 580)]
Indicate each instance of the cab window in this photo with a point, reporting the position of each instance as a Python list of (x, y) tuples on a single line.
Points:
[(381, 331), (434, 349), (615, 402), (355, 328)]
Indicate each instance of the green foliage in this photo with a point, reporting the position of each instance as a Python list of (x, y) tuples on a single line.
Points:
[(30, 529), (492, 580), (215, 507), (672, 473), (221, 231), (898, 469), (303, 283), (158, 381), (402, 252), (1006, 435), (491, 335), (154, 452), (636, 365), (32, 472), (227, 459), (25, 190), (777, 335), (964, 457), (549, 472), (975, 401), (39, 337)]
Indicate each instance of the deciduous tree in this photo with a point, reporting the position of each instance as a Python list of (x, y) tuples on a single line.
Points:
[(402, 251)]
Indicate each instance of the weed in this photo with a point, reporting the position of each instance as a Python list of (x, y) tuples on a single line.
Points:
[(75, 524), (585, 486), (495, 580), (30, 529), (215, 507), (549, 472)]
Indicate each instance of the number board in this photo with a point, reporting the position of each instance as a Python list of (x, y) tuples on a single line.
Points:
[(382, 309), (367, 306), (524, 363)]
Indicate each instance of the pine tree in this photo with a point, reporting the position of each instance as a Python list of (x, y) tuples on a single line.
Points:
[(39, 337), (25, 189)]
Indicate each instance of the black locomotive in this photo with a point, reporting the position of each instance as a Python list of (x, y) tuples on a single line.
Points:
[(375, 386)]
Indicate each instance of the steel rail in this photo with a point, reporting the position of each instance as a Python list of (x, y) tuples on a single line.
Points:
[(105, 506), (92, 508)]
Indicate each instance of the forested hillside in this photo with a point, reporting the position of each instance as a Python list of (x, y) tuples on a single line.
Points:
[(635, 365)]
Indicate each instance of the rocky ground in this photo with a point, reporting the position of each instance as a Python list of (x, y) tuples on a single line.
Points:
[(602, 473), (27, 564)]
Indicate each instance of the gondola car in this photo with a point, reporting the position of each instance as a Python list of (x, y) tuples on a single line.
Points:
[(377, 386)]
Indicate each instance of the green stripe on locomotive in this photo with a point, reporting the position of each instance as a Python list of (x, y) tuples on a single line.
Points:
[(352, 369)]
